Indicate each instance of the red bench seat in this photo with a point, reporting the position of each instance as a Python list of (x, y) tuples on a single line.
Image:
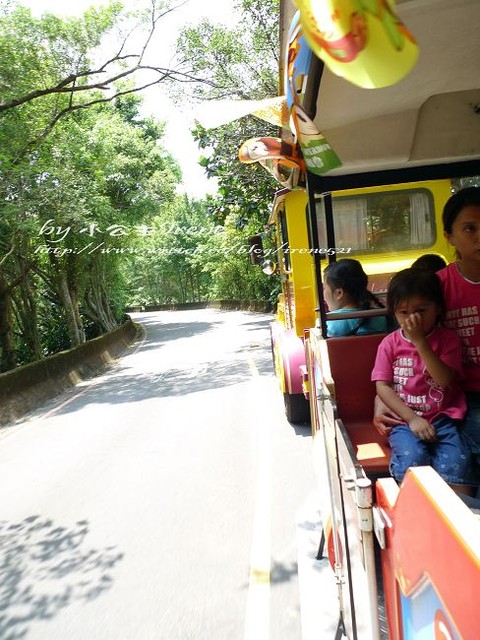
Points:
[(351, 363)]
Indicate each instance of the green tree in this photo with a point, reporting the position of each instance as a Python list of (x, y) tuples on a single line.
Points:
[(189, 258), (169, 266), (66, 61), (69, 212), (120, 177), (79, 208), (103, 167), (228, 262), (240, 63)]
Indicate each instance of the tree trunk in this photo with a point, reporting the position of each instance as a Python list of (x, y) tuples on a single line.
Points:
[(183, 288), (76, 332), (97, 301), (26, 307), (98, 311), (8, 358)]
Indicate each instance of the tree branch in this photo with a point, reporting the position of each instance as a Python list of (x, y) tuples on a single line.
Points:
[(71, 83)]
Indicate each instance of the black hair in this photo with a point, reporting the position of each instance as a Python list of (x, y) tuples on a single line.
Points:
[(430, 261), (414, 282), (463, 198), (348, 274)]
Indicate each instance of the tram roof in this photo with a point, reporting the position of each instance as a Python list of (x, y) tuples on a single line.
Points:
[(431, 116)]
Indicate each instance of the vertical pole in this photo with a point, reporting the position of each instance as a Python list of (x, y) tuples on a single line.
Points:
[(364, 500), (315, 245), (331, 244)]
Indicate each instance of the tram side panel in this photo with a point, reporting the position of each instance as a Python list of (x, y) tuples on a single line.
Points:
[(431, 558), (341, 401), (296, 303), (429, 541)]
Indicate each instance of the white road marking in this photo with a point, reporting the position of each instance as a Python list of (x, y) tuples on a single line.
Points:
[(257, 618)]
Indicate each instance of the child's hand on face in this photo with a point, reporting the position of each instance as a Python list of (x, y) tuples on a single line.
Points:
[(422, 429), (413, 327)]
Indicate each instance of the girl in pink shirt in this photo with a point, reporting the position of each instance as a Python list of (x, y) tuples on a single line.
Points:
[(417, 371), (461, 289)]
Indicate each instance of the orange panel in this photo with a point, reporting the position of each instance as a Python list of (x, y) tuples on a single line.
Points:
[(434, 548)]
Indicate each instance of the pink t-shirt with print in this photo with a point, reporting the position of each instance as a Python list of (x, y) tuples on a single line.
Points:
[(462, 300), (398, 362)]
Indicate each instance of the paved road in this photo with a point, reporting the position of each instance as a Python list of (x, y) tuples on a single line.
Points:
[(161, 500)]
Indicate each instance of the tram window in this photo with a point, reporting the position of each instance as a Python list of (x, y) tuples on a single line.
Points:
[(381, 222), (285, 255)]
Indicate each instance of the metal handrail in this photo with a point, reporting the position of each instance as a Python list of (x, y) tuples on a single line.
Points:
[(367, 313)]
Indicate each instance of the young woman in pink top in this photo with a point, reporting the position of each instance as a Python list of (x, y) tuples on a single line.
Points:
[(418, 370), (461, 289)]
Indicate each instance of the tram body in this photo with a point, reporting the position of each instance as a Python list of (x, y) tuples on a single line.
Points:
[(358, 500), (420, 231), (406, 558)]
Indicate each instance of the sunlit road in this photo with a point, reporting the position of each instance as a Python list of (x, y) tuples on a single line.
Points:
[(158, 501)]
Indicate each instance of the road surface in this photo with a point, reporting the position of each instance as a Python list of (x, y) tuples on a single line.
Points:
[(162, 500)]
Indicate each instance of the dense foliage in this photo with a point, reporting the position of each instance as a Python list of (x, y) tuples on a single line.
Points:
[(73, 182), (239, 64), (188, 257)]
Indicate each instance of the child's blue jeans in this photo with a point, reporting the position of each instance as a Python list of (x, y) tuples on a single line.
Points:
[(470, 429), (471, 424), (449, 455)]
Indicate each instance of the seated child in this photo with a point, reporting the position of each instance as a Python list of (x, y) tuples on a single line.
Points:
[(418, 370), (345, 289), (431, 261)]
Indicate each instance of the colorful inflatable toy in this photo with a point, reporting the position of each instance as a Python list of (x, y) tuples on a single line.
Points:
[(364, 41)]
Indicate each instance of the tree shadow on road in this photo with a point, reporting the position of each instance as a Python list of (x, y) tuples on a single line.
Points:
[(125, 388), (257, 325), (281, 572), (121, 385), (172, 331), (44, 568)]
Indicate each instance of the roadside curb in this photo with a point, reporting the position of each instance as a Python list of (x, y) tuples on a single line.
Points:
[(260, 306), (26, 388)]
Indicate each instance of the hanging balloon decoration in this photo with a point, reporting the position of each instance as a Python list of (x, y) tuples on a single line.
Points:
[(364, 41), (282, 159), (318, 155)]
